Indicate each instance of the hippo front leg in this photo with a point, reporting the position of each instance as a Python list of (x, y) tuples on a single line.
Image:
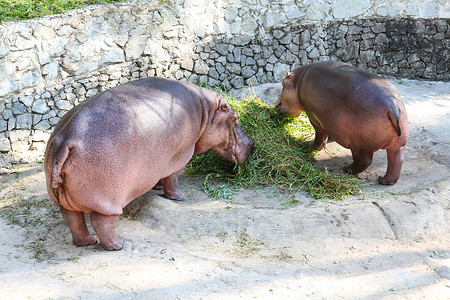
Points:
[(105, 227), (320, 139), (158, 186), (395, 162), (170, 187)]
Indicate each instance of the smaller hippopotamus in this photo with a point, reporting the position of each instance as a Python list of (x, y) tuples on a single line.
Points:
[(360, 111), (119, 144)]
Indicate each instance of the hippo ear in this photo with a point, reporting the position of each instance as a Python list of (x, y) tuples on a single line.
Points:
[(288, 74)]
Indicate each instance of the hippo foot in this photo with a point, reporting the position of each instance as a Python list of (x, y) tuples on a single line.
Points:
[(384, 181), (89, 240), (158, 186), (314, 147), (175, 195), (349, 170), (114, 245)]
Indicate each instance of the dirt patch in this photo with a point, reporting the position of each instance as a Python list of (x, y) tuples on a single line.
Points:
[(387, 242)]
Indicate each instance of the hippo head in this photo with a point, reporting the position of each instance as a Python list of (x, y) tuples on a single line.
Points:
[(223, 134), (289, 101)]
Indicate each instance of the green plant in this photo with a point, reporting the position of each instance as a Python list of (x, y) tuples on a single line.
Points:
[(221, 191), (14, 10), (281, 156)]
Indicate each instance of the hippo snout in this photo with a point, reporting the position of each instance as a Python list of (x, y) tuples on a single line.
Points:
[(278, 103), (279, 107), (244, 145)]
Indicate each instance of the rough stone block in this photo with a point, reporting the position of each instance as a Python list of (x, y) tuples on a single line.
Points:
[(40, 107), (5, 144), (24, 121)]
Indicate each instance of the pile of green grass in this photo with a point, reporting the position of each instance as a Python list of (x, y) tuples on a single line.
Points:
[(281, 157), (15, 10)]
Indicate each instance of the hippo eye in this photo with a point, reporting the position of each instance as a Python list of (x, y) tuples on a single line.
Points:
[(224, 108)]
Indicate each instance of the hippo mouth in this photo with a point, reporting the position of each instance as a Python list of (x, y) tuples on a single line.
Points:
[(242, 145), (238, 148)]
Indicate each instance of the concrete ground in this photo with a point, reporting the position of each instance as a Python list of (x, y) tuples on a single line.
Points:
[(388, 242)]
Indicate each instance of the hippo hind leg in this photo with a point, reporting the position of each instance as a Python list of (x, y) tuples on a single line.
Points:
[(395, 161), (77, 225), (105, 227), (361, 160)]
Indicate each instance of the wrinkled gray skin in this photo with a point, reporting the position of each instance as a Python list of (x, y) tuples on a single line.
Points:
[(360, 111), (119, 144)]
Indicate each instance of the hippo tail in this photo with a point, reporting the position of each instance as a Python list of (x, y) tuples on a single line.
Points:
[(61, 154), (394, 116)]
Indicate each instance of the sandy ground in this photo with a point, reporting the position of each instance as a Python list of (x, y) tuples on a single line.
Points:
[(385, 243)]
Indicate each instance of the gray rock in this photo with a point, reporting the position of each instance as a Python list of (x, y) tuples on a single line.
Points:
[(4, 163), (91, 92), (234, 68), (314, 53), (51, 70), (7, 86), (49, 115), (6, 69), (237, 54), (113, 55), (278, 34), (279, 51), (24, 121), (248, 71), (5, 144), (11, 123), (230, 57), (63, 105), (22, 43), (30, 78), (40, 136), (136, 43), (237, 82), (200, 67), (213, 82), (279, 71), (7, 114), (240, 40), (18, 108), (222, 48), (40, 107), (36, 119), (3, 49), (43, 125), (3, 125), (249, 25), (188, 64), (27, 101), (287, 39), (213, 73), (220, 68), (287, 58), (226, 85), (272, 59), (54, 120), (250, 61)]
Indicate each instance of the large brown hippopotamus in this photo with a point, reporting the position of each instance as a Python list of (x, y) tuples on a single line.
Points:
[(119, 144), (360, 111)]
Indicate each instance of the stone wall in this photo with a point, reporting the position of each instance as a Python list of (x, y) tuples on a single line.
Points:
[(49, 65)]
